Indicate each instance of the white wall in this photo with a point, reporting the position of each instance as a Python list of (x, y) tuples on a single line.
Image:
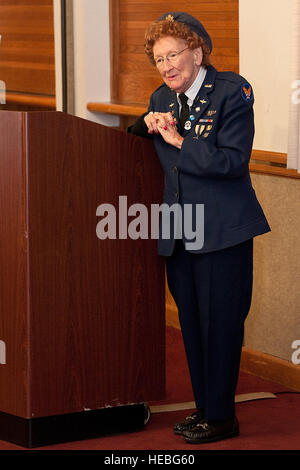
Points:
[(264, 61), (91, 57)]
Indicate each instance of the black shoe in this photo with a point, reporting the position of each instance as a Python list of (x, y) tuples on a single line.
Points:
[(210, 431), (189, 422)]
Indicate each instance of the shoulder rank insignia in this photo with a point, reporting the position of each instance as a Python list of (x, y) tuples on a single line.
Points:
[(247, 92)]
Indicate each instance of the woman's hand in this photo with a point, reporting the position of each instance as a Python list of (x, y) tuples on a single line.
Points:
[(163, 123), (171, 136), (155, 120)]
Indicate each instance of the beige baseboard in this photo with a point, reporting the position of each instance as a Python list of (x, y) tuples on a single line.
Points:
[(190, 405), (271, 368), (254, 362)]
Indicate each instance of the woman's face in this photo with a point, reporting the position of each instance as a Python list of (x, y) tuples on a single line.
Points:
[(181, 74)]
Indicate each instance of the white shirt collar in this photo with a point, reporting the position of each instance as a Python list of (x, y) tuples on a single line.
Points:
[(191, 93)]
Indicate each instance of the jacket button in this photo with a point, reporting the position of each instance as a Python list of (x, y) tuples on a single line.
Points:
[(176, 195), (175, 169)]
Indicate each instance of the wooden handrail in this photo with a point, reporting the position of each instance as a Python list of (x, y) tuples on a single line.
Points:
[(271, 163), (267, 156), (122, 109), (31, 100), (273, 170)]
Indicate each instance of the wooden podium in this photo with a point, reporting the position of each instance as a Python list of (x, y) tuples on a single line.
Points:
[(82, 320)]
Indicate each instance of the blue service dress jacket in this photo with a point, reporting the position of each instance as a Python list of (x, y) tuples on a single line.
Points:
[(211, 169)]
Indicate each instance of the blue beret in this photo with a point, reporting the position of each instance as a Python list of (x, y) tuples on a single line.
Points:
[(191, 22)]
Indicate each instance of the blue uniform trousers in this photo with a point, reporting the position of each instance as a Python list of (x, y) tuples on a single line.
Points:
[(213, 294)]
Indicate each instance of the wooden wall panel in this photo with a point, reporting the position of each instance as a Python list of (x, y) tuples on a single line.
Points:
[(133, 77), (27, 63)]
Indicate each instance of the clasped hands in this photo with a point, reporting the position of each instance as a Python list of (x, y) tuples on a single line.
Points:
[(163, 123)]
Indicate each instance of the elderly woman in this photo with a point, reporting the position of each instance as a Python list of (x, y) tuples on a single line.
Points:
[(201, 122)]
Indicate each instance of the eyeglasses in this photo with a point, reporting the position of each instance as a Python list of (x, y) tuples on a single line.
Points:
[(172, 58)]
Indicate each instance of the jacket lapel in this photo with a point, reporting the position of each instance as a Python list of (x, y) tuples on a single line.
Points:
[(173, 108), (202, 101)]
